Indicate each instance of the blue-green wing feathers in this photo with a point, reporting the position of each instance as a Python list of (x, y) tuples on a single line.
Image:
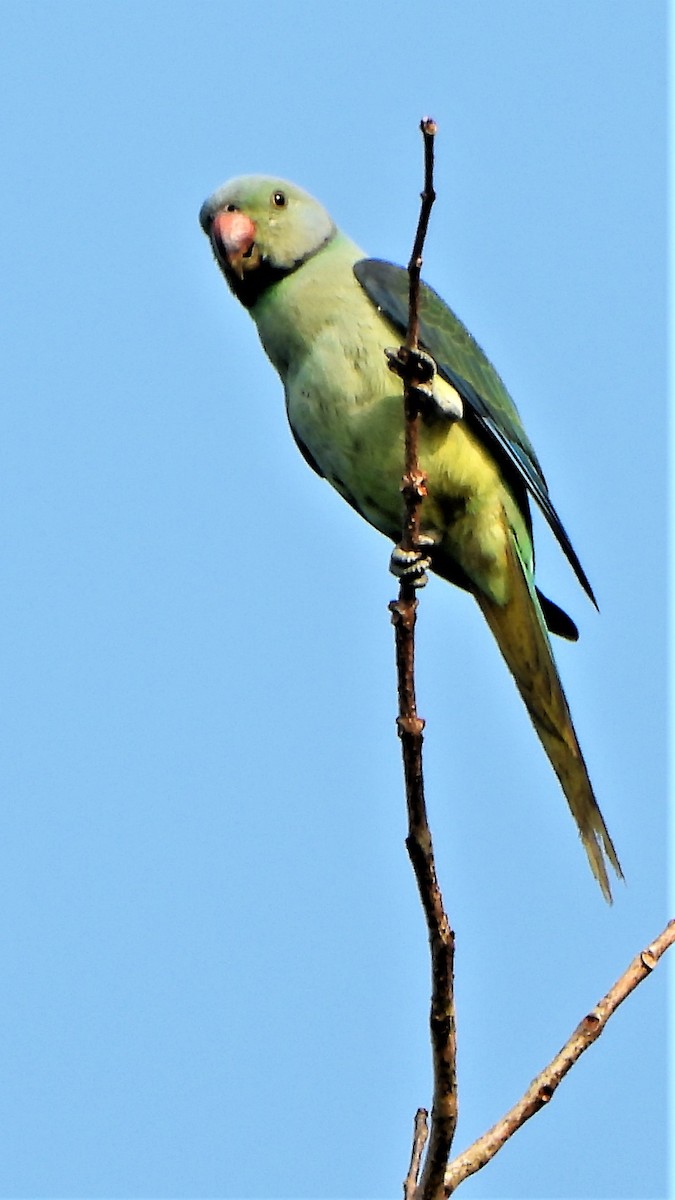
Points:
[(460, 360)]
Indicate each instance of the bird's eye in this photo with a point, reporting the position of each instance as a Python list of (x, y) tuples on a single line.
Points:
[(279, 199), (231, 208)]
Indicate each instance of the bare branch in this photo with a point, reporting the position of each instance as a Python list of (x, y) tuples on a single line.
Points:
[(412, 368), (543, 1087)]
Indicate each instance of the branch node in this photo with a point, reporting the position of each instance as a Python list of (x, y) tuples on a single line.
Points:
[(403, 613), (410, 726), (414, 485)]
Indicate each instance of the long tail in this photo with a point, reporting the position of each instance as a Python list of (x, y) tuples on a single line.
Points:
[(521, 635)]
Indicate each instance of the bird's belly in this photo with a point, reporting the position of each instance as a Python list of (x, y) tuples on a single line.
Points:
[(355, 435)]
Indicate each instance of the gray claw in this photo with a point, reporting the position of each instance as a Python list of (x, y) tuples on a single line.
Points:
[(415, 365), (411, 565)]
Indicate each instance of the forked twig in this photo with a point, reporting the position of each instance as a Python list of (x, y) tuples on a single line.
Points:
[(543, 1087)]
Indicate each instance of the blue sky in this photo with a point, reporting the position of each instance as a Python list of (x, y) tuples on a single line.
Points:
[(215, 978)]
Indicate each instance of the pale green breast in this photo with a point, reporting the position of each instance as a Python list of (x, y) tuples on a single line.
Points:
[(327, 341)]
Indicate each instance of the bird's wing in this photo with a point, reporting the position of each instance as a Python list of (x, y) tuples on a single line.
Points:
[(488, 407)]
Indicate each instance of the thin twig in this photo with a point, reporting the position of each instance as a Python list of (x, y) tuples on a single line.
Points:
[(410, 727), (420, 1135), (428, 129), (543, 1087), (414, 480)]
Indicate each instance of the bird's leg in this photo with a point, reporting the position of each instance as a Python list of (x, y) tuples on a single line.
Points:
[(413, 564), (410, 559), (417, 370)]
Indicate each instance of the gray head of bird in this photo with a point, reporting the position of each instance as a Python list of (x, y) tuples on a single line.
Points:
[(261, 229)]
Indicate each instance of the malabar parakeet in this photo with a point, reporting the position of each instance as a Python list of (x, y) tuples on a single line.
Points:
[(325, 315)]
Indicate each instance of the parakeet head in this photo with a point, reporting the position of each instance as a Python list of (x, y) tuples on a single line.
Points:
[(261, 229)]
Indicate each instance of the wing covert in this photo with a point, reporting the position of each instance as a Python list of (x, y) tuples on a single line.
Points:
[(460, 360)]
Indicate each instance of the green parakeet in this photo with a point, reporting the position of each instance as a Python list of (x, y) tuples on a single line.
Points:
[(325, 315)]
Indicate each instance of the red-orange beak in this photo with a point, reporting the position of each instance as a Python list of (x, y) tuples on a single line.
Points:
[(233, 239)]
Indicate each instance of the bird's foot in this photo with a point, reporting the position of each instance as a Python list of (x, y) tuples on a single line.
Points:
[(415, 368), (418, 370), (412, 565)]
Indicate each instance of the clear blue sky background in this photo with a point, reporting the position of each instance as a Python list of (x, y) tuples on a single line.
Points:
[(214, 967)]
